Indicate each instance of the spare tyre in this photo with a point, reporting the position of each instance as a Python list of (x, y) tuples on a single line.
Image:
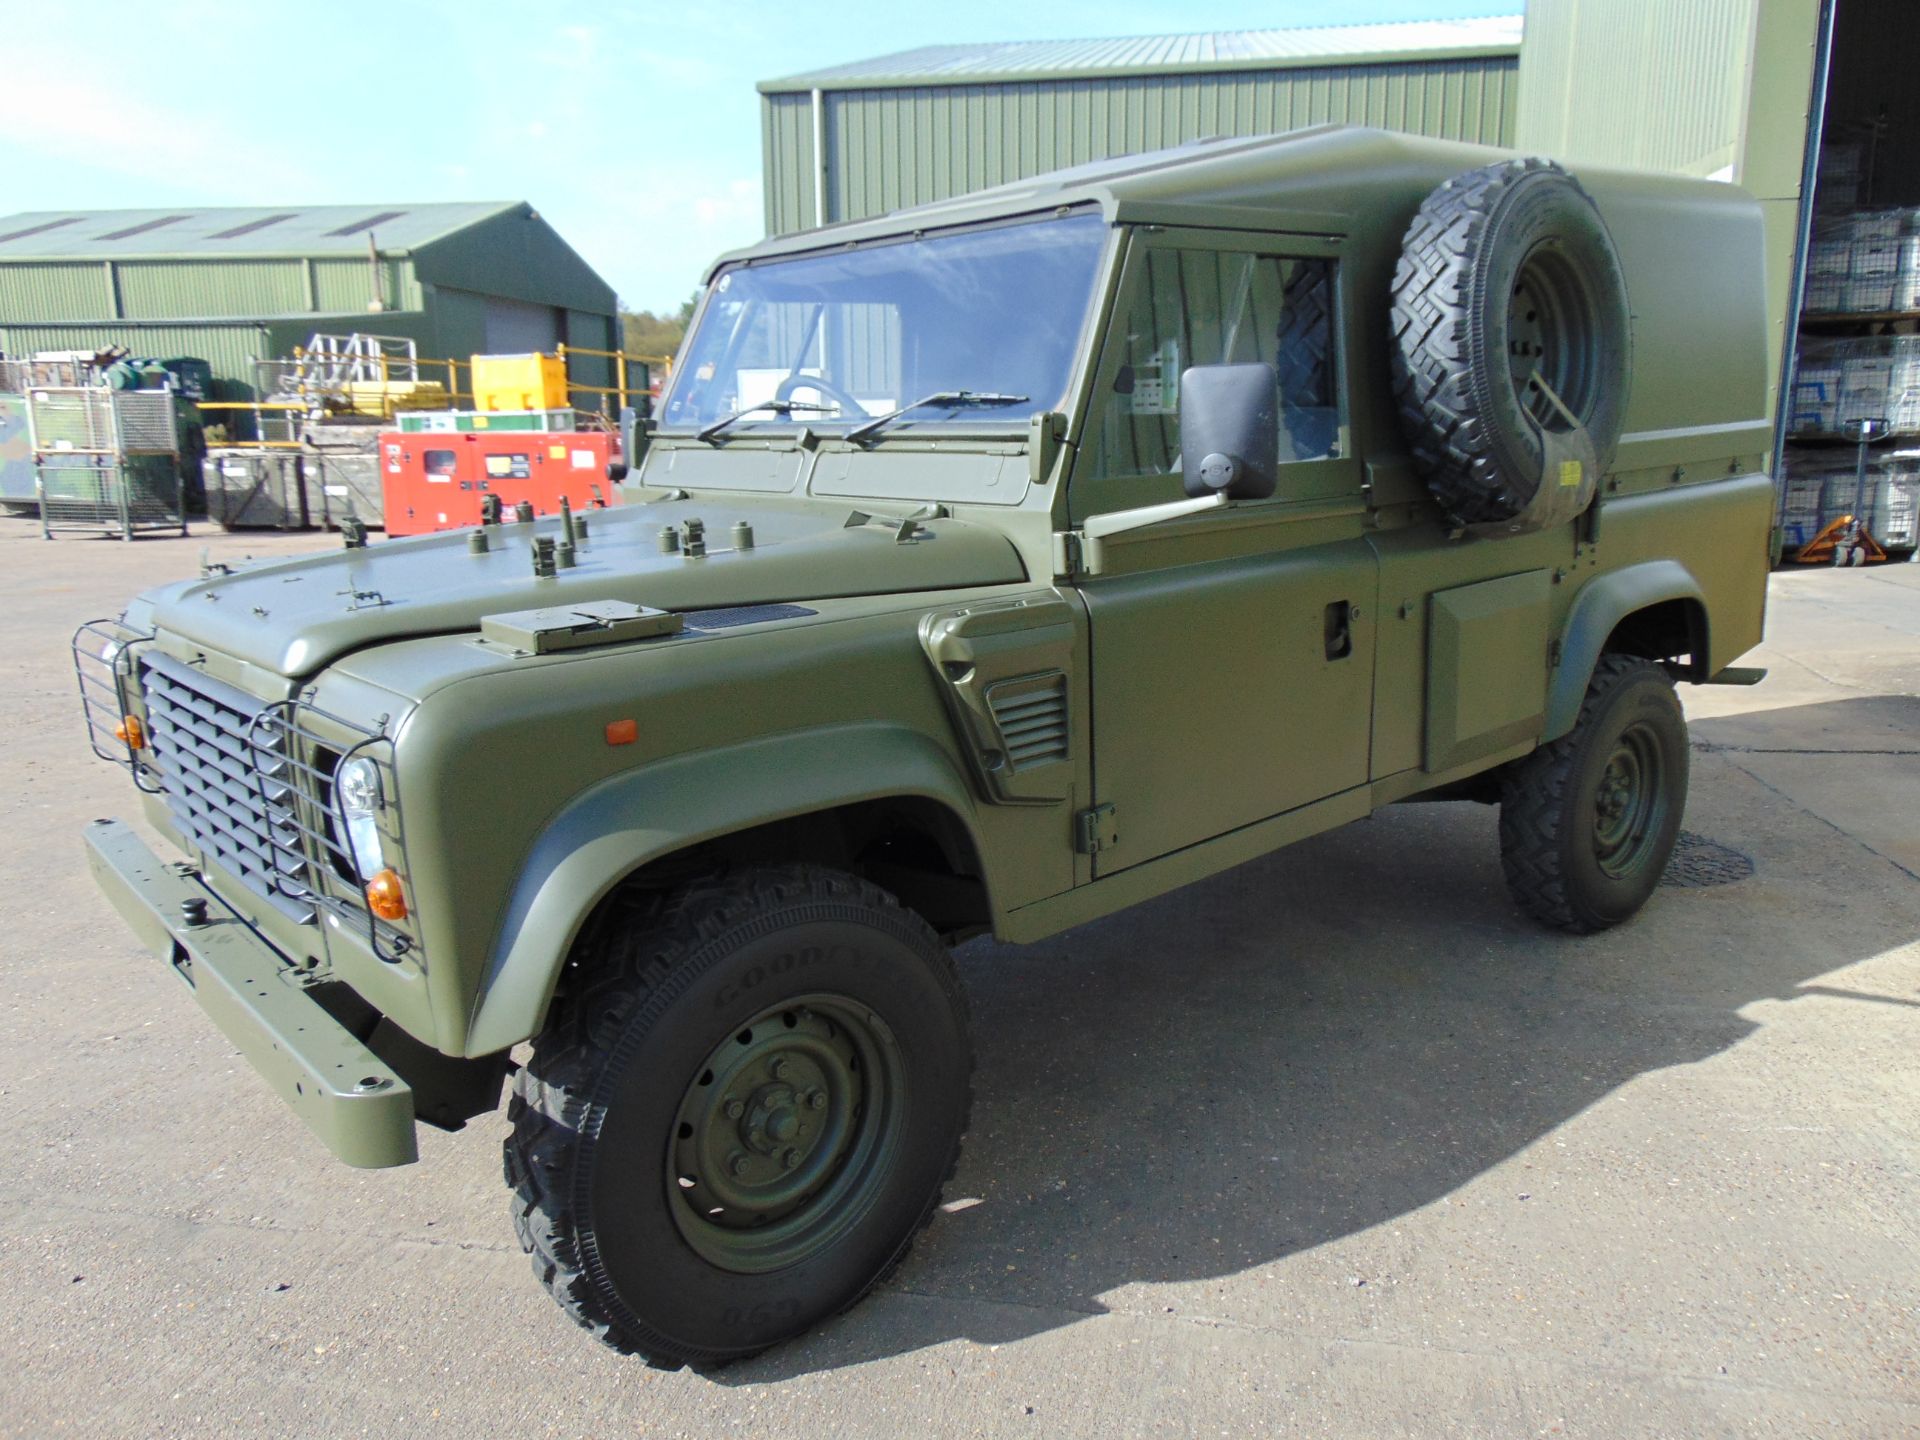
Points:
[(1303, 363), (1510, 336)]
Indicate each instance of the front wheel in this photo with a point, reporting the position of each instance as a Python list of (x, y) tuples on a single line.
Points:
[(1588, 822), (743, 1115)]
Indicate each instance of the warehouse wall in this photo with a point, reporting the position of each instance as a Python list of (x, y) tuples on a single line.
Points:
[(459, 323), (160, 289), (888, 148), (233, 347), (1718, 88), (787, 160), (54, 290), (590, 331), (1644, 83), (229, 349), (515, 254)]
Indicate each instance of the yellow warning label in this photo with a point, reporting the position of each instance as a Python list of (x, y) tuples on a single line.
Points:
[(559, 452), (1569, 473)]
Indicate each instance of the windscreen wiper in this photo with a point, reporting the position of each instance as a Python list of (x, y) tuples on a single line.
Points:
[(940, 399), (775, 407)]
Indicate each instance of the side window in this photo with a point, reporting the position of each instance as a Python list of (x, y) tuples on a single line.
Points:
[(1211, 307)]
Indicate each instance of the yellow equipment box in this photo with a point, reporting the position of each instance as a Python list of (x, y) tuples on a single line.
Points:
[(519, 382)]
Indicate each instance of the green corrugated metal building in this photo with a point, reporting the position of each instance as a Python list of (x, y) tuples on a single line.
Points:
[(904, 129), (1720, 89), (235, 285)]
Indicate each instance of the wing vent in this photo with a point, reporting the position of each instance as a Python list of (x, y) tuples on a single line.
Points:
[(1031, 715)]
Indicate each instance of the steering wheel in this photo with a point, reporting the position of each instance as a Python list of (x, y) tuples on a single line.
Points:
[(850, 408)]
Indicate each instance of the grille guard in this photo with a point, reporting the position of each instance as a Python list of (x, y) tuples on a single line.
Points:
[(296, 734), (299, 856), (106, 691)]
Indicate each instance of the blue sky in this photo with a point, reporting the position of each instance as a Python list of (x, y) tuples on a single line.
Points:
[(633, 127)]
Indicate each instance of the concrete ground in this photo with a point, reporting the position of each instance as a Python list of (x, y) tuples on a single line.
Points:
[(1335, 1144)]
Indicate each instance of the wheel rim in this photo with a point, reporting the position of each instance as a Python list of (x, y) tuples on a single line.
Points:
[(1549, 325), (1630, 803), (785, 1133)]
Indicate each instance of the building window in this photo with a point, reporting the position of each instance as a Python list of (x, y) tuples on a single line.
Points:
[(141, 228), (368, 223), (250, 226)]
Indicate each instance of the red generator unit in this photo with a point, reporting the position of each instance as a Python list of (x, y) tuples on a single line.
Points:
[(434, 481)]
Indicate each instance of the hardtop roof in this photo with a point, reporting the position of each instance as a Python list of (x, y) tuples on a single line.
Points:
[(1321, 180)]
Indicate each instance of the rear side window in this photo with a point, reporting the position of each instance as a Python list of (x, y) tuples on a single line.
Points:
[(1212, 307)]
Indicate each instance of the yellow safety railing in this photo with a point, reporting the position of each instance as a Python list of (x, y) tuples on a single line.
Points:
[(421, 370), (620, 358)]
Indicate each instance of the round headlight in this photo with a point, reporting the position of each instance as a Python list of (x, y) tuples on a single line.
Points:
[(110, 651), (356, 790)]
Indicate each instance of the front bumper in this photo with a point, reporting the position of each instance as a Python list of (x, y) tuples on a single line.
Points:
[(349, 1097)]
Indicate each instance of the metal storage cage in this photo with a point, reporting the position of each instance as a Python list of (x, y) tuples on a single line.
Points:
[(105, 461), (349, 485), (1822, 484), (249, 488), (1841, 382), (343, 473)]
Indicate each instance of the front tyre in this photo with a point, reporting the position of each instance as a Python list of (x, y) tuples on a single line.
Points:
[(743, 1114), (1588, 822)]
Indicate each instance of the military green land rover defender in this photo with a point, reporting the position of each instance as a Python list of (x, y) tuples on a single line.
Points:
[(989, 567)]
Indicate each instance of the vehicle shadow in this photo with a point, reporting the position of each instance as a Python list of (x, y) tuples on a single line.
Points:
[(1315, 1043)]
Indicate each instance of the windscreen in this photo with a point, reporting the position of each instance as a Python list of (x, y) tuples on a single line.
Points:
[(849, 336)]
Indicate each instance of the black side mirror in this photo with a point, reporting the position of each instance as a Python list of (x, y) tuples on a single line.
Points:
[(1230, 431)]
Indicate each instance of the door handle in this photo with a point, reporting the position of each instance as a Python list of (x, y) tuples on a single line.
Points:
[(1337, 627)]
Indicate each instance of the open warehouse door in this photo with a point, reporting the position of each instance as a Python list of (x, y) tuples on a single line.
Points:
[(1808, 104)]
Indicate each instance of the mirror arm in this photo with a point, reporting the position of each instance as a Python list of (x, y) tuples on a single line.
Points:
[(1118, 522)]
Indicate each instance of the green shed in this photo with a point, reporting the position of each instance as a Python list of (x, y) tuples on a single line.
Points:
[(904, 129), (235, 285)]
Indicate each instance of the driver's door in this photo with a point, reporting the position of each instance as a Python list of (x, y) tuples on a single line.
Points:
[(1232, 651)]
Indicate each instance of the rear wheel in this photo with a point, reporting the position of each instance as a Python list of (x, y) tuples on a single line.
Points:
[(1588, 822), (742, 1118)]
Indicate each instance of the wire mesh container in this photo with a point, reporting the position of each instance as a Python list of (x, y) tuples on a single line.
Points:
[(105, 461), (1823, 485), (1866, 262), (1840, 382)]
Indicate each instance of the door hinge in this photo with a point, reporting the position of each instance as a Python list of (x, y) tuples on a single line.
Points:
[(1553, 655), (1095, 830), (1069, 555)]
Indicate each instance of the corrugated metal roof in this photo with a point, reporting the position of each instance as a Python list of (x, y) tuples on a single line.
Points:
[(235, 230), (1167, 54)]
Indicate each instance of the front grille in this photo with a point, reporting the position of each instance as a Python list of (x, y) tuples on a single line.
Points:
[(225, 782)]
